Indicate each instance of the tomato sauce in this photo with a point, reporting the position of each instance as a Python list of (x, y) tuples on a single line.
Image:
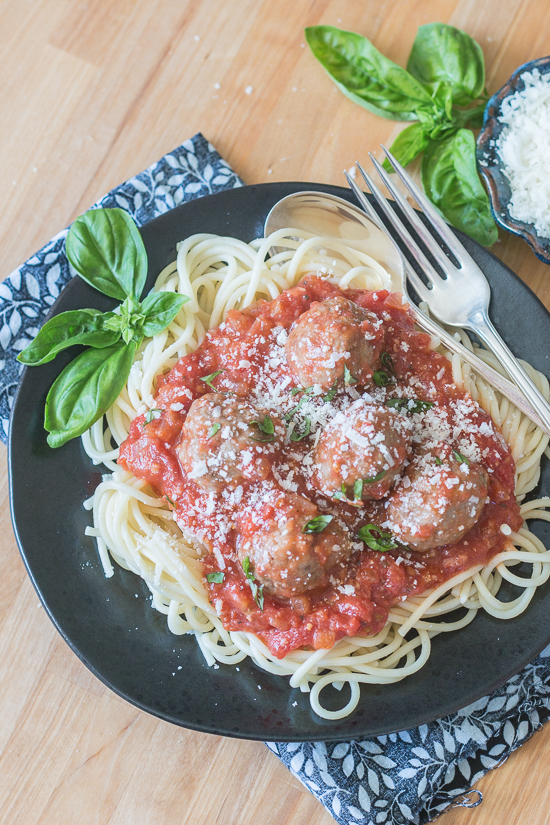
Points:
[(358, 601)]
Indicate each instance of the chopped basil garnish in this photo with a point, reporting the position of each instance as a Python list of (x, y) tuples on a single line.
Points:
[(376, 539), (331, 393), (378, 477), (349, 379), (151, 416), (169, 500), (382, 379), (409, 404), (460, 458), (215, 578), (438, 461), (297, 435), (307, 392), (209, 378), (387, 361), (317, 524), (340, 495), (266, 428), (257, 592), (216, 427)]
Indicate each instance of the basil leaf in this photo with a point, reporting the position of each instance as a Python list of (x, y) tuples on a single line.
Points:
[(78, 326), (349, 379), (378, 477), (266, 427), (152, 415), (407, 145), (341, 495), (441, 53), (412, 405), (215, 578), (209, 378), (331, 393), (216, 427), (306, 390), (460, 458), (106, 249), (160, 309), (387, 361), (317, 524), (451, 181), (257, 592), (85, 390), (172, 503), (297, 435), (364, 75), (376, 539), (382, 379)]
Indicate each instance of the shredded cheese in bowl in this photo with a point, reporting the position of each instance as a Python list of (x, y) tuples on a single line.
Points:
[(524, 149)]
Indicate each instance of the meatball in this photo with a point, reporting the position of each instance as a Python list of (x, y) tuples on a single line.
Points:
[(285, 559), (331, 335), (439, 499), (366, 443), (224, 442)]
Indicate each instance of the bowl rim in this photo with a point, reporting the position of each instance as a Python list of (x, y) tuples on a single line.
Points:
[(490, 165)]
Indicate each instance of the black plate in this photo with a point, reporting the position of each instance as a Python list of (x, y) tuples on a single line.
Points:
[(127, 644)]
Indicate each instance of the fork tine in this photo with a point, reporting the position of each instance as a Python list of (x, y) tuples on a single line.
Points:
[(364, 201), (421, 289), (419, 286), (412, 216), (430, 211), (399, 227)]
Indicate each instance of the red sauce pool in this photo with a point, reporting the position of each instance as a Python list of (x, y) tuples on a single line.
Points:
[(245, 348)]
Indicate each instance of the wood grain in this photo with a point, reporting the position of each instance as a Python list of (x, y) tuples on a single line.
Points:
[(93, 92)]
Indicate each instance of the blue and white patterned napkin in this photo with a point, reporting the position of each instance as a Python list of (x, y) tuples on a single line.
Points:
[(408, 777)]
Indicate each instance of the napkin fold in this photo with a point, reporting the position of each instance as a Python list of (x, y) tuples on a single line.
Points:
[(406, 777)]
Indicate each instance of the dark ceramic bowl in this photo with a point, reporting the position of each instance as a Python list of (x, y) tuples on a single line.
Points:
[(490, 164)]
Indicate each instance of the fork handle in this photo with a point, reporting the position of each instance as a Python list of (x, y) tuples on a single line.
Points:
[(482, 326), (509, 390)]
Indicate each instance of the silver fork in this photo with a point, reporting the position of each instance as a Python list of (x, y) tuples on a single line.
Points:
[(461, 298)]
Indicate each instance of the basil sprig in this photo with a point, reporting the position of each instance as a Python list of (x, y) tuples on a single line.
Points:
[(106, 250), (442, 92)]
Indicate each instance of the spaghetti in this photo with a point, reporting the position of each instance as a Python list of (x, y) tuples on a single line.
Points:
[(137, 529)]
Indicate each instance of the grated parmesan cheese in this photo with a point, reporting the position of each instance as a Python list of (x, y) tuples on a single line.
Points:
[(524, 148)]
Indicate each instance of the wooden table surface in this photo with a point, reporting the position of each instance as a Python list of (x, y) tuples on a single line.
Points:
[(92, 92)]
